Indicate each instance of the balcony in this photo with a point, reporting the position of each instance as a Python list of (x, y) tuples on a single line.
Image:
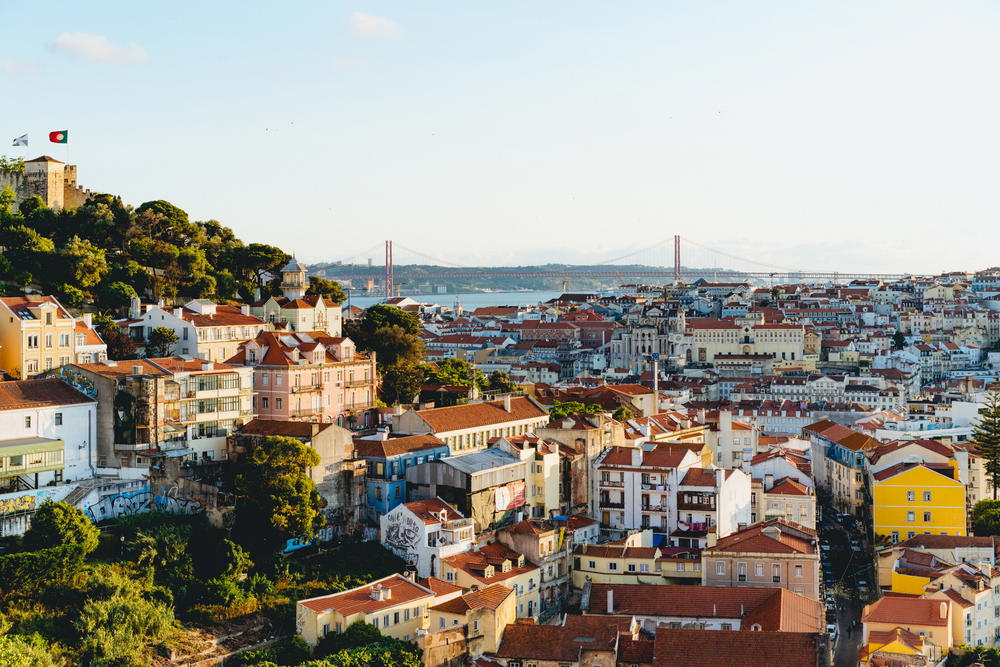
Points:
[(654, 508), (696, 506), (27, 456), (612, 504), (357, 383), (367, 405), (304, 388), (611, 483)]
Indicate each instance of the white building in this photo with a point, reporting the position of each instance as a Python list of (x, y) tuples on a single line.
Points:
[(425, 531), (47, 433)]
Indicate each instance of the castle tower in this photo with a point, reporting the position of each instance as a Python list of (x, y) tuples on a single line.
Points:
[(293, 280), (45, 177)]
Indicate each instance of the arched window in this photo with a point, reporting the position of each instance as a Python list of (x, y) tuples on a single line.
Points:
[(756, 627)]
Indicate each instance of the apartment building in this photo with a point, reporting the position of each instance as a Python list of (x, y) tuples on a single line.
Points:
[(397, 606), (471, 426), (771, 554), (295, 310), (425, 532), (37, 334), (309, 376), (203, 328), (917, 497), (46, 433), (169, 406), (388, 459)]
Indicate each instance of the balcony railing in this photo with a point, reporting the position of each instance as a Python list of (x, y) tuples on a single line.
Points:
[(300, 389), (654, 508), (357, 383), (698, 507), (608, 482), (614, 504)]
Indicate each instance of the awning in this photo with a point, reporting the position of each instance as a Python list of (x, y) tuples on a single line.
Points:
[(20, 446)]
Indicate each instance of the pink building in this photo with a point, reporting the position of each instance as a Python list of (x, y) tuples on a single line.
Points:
[(309, 376)]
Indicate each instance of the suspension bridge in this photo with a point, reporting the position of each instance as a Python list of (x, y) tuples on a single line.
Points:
[(650, 263)]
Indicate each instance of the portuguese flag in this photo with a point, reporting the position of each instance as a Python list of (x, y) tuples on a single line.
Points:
[(59, 136)]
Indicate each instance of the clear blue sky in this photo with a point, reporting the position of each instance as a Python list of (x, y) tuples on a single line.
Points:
[(839, 135)]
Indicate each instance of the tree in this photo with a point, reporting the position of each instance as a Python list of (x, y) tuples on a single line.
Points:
[(25, 651), (70, 295), (277, 499), (117, 295), (986, 518), (87, 265), (160, 342), (120, 344), (456, 372), (623, 414), (500, 382), (401, 382), (60, 524), (392, 333), (986, 435), (328, 289), (559, 410), (898, 340)]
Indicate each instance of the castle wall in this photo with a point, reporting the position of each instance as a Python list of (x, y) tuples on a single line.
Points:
[(14, 181)]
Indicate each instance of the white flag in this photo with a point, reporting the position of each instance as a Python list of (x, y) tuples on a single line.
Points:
[(21, 140)]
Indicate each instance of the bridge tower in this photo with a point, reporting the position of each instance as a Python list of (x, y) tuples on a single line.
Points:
[(390, 290), (677, 258)]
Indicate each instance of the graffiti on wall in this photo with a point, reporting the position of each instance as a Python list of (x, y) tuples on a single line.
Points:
[(18, 504), (119, 504), (510, 496), (178, 505), (75, 379), (401, 533)]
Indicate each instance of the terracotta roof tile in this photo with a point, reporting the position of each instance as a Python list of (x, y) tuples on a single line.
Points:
[(396, 446), (732, 648), (20, 394), (429, 510), (359, 600), (472, 415), (907, 611), (258, 426)]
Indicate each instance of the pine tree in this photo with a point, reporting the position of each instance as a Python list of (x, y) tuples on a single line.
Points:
[(986, 435)]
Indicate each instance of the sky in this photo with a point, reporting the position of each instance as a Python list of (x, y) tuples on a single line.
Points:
[(838, 136)]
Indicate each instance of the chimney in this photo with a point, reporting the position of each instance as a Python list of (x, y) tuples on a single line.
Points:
[(136, 370), (715, 611), (611, 601), (206, 365), (768, 481), (506, 402), (718, 478), (88, 320), (245, 309), (178, 312)]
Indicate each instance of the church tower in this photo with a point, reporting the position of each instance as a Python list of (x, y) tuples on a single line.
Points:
[(293, 280), (44, 177)]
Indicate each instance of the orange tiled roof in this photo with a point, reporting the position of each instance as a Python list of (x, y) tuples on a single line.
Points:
[(733, 648), (429, 510), (907, 611), (472, 415), (773, 608), (20, 394), (359, 600), (396, 446), (490, 597)]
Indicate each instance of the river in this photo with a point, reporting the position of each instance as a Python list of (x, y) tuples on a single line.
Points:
[(469, 300)]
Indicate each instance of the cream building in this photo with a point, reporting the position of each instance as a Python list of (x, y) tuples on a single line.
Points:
[(397, 606)]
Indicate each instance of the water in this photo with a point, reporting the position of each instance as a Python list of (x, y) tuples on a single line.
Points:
[(470, 300)]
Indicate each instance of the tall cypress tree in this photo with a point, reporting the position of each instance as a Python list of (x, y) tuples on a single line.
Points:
[(986, 434)]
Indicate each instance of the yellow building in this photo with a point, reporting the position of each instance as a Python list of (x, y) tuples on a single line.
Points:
[(497, 564), (484, 614), (36, 335), (891, 625), (911, 498), (397, 606)]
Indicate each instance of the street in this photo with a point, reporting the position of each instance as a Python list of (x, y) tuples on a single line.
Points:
[(849, 576)]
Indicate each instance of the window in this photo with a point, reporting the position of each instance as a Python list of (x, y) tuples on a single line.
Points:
[(385, 621), (32, 341), (592, 565), (727, 626), (475, 626), (720, 567), (631, 567), (776, 573), (911, 516), (741, 571), (263, 403), (326, 629), (27, 422), (48, 340), (395, 618), (799, 571), (911, 496), (277, 403), (644, 567), (378, 493), (927, 496), (612, 566), (927, 517), (375, 622), (758, 569), (58, 419)]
